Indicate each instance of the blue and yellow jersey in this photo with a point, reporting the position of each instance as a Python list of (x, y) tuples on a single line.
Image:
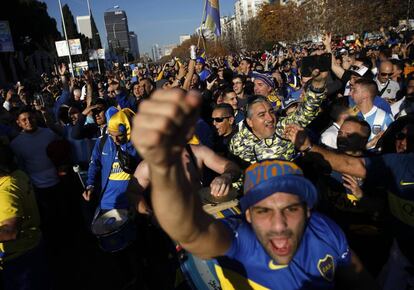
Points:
[(395, 172), (114, 195), (17, 200), (246, 265)]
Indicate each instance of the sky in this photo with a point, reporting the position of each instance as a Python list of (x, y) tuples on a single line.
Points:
[(154, 21)]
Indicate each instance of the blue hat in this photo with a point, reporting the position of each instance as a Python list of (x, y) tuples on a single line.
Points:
[(200, 60), (265, 178), (265, 78)]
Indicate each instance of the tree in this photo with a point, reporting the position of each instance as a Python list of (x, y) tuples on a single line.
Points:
[(96, 40), (70, 25)]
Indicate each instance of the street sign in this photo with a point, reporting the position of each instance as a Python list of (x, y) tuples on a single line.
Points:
[(62, 47)]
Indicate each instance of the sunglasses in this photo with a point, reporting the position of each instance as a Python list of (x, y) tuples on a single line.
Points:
[(386, 74), (220, 119)]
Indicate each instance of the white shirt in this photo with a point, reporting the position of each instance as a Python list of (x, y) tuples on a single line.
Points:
[(391, 90), (329, 136)]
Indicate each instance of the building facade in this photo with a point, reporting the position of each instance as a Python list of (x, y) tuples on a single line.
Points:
[(156, 52), (84, 25), (133, 41), (116, 24)]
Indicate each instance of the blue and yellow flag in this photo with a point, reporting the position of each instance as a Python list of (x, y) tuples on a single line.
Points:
[(212, 16)]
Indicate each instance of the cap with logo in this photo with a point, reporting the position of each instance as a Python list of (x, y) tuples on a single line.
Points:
[(265, 178)]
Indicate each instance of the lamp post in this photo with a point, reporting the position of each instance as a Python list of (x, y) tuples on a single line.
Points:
[(113, 27), (66, 38)]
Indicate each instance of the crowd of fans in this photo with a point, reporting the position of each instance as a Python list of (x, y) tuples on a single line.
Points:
[(67, 158)]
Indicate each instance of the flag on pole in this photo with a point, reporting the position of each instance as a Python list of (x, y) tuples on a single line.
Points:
[(212, 16)]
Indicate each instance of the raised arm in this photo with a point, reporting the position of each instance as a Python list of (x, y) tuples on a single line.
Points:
[(339, 162), (336, 68), (160, 133)]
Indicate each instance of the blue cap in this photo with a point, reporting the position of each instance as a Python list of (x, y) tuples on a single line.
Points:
[(200, 60), (265, 178)]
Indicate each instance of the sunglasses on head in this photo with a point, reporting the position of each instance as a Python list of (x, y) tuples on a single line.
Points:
[(386, 74), (220, 119)]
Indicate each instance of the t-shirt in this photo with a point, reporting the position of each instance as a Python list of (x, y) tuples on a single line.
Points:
[(246, 265), (17, 200), (30, 150), (330, 135), (395, 172), (114, 195), (390, 88)]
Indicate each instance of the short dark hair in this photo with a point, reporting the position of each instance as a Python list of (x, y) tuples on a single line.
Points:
[(248, 60), (226, 107), (22, 110), (226, 91), (368, 84), (338, 107), (366, 128), (241, 77)]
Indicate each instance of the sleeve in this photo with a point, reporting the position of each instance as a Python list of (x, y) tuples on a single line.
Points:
[(124, 102), (10, 206), (81, 131), (62, 100), (380, 168), (238, 246), (95, 164), (6, 105), (306, 112)]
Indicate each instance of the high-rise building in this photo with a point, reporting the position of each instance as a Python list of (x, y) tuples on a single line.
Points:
[(84, 25), (133, 41), (184, 37), (116, 24), (156, 52), (168, 49)]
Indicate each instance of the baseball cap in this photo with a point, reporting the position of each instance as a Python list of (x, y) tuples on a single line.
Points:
[(267, 177)]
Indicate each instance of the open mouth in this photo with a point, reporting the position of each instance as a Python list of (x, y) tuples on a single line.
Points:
[(280, 246)]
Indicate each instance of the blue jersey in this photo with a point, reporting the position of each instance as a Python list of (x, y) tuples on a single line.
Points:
[(114, 195), (395, 172), (246, 265)]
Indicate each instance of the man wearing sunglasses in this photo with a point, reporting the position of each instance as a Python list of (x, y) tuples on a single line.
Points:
[(386, 86), (223, 121)]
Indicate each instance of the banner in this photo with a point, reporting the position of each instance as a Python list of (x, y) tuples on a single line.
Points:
[(62, 47), (212, 16), (75, 46), (6, 40)]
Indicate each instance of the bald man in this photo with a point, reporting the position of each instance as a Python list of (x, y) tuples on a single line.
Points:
[(387, 88)]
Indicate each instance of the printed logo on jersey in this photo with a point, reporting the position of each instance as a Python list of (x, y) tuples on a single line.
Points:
[(326, 267), (273, 266), (117, 173)]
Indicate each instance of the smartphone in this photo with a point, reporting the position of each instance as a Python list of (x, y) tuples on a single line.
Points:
[(309, 63)]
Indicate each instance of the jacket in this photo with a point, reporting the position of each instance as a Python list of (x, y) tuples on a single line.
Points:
[(246, 146), (101, 162)]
